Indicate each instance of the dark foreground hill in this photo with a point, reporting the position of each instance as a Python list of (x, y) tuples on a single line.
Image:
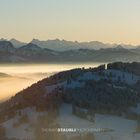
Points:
[(106, 90), (75, 98)]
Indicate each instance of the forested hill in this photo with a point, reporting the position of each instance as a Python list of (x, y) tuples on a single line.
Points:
[(112, 90)]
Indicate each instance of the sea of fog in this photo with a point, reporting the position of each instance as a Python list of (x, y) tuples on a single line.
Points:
[(16, 77)]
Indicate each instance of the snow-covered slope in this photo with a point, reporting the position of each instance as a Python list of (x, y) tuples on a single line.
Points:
[(118, 128), (24, 130), (122, 129), (113, 75)]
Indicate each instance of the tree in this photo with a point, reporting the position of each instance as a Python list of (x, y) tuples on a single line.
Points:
[(2, 131)]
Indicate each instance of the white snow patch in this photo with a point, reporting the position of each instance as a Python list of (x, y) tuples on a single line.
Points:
[(65, 85), (74, 84), (51, 88), (23, 131), (122, 128), (89, 76), (125, 77), (136, 109), (20, 132), (33, 114)]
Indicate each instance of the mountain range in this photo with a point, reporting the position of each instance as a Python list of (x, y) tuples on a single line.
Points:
[(65, 51), (64, 45)]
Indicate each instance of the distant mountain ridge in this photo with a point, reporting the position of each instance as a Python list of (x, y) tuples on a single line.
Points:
[(17, 43), (34, 53), (6, 46), (64, 45)]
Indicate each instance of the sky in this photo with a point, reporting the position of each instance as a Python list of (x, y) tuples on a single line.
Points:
[(109, 21)]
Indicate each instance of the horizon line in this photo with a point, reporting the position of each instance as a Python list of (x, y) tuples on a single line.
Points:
[(109, 43)]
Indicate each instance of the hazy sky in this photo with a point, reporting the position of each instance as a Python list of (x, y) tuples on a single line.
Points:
[(112, 21)]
